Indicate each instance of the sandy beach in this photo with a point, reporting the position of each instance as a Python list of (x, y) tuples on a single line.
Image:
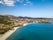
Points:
[(7, 34)]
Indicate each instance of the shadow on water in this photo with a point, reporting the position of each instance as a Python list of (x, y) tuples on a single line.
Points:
[(33, 32)]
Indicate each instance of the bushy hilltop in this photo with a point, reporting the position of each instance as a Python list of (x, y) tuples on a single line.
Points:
[(8, 22)]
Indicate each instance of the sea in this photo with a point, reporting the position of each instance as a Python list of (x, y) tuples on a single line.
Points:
[(33, 31)]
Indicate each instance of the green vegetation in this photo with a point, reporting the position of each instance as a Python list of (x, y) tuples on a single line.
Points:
[(5, 25)]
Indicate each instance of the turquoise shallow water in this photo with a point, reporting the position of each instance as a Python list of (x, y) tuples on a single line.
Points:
[(33, 32)]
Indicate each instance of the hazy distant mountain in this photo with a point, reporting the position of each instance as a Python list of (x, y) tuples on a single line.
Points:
[(11, 16)]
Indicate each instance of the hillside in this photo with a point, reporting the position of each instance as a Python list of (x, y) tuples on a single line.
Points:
[(8, 22)]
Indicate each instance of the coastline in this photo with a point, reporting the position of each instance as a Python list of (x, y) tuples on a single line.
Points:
[(7, 34)]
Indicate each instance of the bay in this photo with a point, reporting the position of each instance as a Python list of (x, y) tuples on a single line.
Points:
[(33, 31)]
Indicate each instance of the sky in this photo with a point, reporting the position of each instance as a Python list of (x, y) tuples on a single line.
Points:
[(29, 8)]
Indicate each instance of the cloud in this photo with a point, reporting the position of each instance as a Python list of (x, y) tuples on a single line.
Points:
[(9, 2), (28, 3), (21, 1), (25, 4), (1, 2), (12, 2)]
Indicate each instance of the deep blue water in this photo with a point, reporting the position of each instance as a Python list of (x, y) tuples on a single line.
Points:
[(33, 32)]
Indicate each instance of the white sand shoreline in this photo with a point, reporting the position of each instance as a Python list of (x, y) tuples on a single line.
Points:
[(7, 34)]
